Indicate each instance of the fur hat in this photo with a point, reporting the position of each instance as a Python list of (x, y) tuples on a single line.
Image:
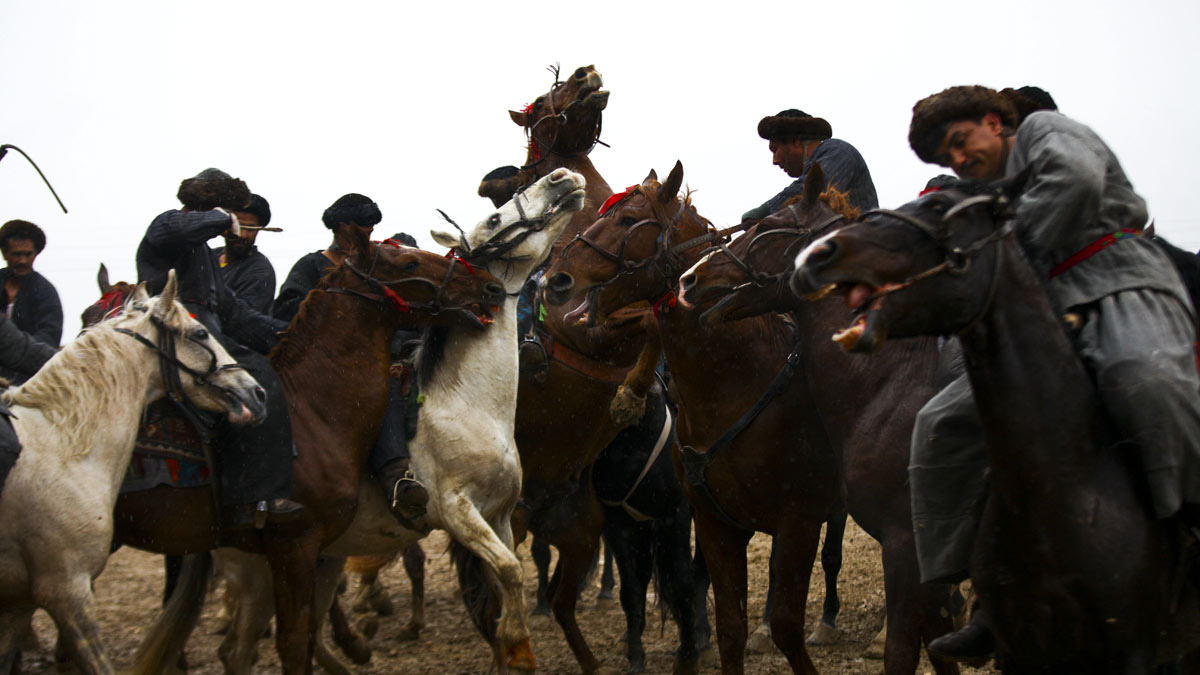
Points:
[(794, 123), (932, 114), (212, 188), (1029, 99), (259, 207), (352, 208), (405, 238)]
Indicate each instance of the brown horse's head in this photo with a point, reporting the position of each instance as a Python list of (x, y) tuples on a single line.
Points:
[(566, 119), (635, 251), (112, 299), (925, 268), (750, 276), (418, 288)]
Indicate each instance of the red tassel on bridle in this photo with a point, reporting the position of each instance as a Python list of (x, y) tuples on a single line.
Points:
[(611, 201)]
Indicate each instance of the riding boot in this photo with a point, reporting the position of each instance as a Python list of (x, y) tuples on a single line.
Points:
[(973, 644), (389, 461)]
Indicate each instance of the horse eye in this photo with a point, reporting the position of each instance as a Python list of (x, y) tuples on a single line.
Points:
[(628, 221), (494, 220), (412, 266), (200, 334)]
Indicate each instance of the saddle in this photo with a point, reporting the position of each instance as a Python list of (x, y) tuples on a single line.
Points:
[(169, 450)]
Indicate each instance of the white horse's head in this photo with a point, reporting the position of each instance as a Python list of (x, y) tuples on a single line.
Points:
[(192, 361), (519, 234)]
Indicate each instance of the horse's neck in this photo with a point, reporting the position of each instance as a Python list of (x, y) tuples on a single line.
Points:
[(479, 368), (1035, 399), (614, 346), (736, 360), (336, 338)]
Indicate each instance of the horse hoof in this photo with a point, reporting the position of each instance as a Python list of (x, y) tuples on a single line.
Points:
[(824, 634), (875, 649), (357, 650), (540, 611), (626, 407), (520, 657), (605, 594), (691, 667), (368, 626), (409, 633), (760, 641)]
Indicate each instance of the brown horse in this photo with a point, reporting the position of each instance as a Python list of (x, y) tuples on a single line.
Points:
[(575, 373), (779, 474), (1076, 574), (333, 363), (867, 409)]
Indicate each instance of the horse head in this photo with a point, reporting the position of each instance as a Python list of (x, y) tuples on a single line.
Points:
[(193, 364), (417, 288), (749, 276), (517, 237), (920, 269), (566, 119), (633, 252), (112, 298)]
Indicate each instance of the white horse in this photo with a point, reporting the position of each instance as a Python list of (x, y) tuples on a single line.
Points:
[(77, 419), (464, 450)]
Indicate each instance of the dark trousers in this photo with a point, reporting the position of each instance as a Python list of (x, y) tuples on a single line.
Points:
[(393, 438)]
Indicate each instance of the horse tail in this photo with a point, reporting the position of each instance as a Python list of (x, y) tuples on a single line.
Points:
[(481, 601), (165, 640)]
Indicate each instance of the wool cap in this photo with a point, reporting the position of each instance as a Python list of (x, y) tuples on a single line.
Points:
[(932, 114), (794, 123), (212, 188), (352, 208)]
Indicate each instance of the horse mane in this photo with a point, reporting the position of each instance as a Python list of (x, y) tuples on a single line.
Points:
[(79, 380), (834, 198), (431, 353), (292, 340)]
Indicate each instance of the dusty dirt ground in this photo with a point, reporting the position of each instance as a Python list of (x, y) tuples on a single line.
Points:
[(128, 596)]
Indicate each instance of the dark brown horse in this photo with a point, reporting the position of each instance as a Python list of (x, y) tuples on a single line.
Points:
[(563, 422), (333, 363), (779, 474), (867, 409), (1076, 574)]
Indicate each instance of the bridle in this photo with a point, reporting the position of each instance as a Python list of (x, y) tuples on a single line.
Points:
[(561, 116), (388, 297), (955, 260), (801, 237), (170, 366), (497, 246)]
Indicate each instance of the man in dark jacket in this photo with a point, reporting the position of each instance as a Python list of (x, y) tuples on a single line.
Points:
[(22, 355), (797, 140), (29, 299), (389, 460), (247, 272), (1078, 220), (256, 462)]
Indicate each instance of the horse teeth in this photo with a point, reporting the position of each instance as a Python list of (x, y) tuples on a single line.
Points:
[(821, 292)]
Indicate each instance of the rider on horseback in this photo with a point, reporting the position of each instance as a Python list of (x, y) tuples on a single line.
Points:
[(1078, 220), (255, 462), (389, 459)]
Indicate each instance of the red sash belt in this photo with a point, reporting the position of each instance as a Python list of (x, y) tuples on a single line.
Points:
[(1092, 249)]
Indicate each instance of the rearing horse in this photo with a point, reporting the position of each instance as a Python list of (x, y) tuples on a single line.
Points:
[(778, 475), (1076, 574)]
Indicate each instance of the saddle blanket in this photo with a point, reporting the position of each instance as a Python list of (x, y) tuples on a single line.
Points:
[(168, 451)]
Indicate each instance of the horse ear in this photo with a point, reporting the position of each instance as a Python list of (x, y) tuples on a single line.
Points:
[(171, 290), (814, 184), (1012, 187), (653, 175), (359, 241), (445, 238), (139, 296), (670, 187), (102, 280), (521, 119)]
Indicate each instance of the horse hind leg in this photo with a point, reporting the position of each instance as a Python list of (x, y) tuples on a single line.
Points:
[(414, 566), (14, 625), (826, 632), (70, 604), (248, 579), (539, 550), (632, 551), (676, 585)]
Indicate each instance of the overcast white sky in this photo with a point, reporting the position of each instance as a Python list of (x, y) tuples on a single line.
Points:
[(406, 102)]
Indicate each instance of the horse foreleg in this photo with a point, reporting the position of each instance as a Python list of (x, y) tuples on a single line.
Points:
[(725, 555), (248, 586), (797, 544), (631, 547), (14, 623), (676, 583), (629, 403), (539, 550), (69, 602), (574, 560), (826, 631), (492, 543), (293, 562), (414, 566)]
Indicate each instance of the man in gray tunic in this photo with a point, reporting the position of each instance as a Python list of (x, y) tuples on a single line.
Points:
[(1078, 220)]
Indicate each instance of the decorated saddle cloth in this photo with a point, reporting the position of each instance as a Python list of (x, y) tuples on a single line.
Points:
[(168, 451)]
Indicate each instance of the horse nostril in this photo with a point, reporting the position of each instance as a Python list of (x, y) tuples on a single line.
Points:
[(819, 254), (686, 282), (558, 175), (494, 289), (580, 74), (560, 283), (260, 396)]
